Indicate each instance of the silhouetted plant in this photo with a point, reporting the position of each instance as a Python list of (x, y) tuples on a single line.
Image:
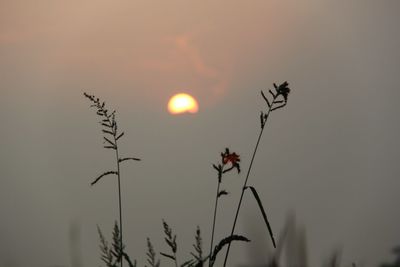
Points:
[(170, 239), (224, 242), (277, 100), (198, 260), (111, 137), (115, 253), (106, 251), (229, 161), (151, 255), (198, 247)]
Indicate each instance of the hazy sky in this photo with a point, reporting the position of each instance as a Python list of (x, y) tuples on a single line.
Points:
[(331, 156)]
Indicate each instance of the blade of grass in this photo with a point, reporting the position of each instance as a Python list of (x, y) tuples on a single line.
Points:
[(260, 205)]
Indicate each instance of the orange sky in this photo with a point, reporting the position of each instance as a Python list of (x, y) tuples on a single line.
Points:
[(165, 47)]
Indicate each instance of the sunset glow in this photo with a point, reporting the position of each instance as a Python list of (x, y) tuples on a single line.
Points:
[(182, 103)]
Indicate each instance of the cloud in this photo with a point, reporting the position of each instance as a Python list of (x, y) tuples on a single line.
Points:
[(191, 52), (182, 61)]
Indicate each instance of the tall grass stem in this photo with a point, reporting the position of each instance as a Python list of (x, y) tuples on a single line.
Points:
[(119, 198), (214, 219), (245, 182)]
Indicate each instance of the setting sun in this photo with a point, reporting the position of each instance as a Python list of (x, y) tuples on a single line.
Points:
[(182, 103)]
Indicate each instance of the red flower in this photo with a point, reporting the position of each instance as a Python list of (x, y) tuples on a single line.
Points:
[(232, 158)]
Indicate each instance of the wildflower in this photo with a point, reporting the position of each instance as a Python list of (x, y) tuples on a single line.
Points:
[(231, 158), (283, 90)]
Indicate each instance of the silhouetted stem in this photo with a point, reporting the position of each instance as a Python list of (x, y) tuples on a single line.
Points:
[(101, 111), (176, 261), (215, 218), (245, 182), (119, 199)]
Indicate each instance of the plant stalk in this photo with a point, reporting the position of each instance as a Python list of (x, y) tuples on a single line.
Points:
[(176, 261), (245, 182), (215, 217), (119, 200)]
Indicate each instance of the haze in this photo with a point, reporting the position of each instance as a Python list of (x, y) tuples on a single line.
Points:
[(331, 156)]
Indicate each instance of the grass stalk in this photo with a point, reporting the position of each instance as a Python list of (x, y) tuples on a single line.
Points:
[(111, 137), (229, 161), (119, 197), (281, 90), (215, 217), (170, 239), (243, 188)]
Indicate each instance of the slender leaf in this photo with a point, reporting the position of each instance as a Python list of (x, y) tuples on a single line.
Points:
[(266, 99), (102, 175), (217, 168), (106, 125), (222, 192), (108, 132), (188, 263), (272, 93), (168, 256), (109, 141), (223, 243), (260, 205), (119, 136), (124, 159)]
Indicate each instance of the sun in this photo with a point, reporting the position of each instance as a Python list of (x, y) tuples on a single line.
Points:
[(182, 103)]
